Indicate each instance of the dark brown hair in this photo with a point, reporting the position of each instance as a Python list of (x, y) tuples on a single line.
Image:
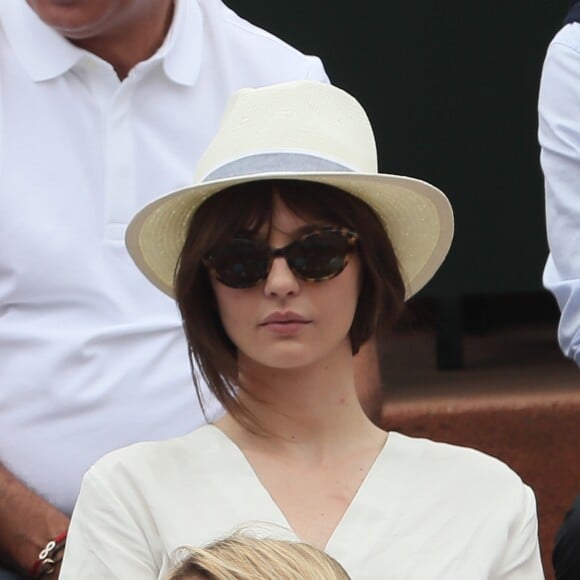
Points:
[(249, 207)]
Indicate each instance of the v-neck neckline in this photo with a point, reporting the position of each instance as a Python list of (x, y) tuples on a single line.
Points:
[(246, 464)]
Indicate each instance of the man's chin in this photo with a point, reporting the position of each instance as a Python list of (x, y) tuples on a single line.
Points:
[(74, 19)]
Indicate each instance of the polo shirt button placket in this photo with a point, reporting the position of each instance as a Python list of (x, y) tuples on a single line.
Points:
[(118, 156)]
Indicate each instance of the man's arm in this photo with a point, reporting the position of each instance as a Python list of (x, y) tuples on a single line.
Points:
[(27, 523), (559, 136)]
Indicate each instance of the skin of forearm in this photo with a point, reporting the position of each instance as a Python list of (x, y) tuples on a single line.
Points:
[(27, 523)]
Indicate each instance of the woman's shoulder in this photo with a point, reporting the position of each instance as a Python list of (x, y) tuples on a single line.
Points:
[(162, 456), (468, 485), (450, 466)]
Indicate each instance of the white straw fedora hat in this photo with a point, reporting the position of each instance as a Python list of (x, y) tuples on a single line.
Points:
[(308, 131)]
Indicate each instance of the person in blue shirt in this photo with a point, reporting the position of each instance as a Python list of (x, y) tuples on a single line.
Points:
[(559, 136)]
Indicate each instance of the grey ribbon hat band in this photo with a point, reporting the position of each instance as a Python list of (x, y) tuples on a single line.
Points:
[(283, 162)]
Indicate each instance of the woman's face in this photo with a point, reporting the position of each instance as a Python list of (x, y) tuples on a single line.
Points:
[(284, 322)]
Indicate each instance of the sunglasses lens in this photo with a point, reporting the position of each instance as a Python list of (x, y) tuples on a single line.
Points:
[(319, 256), (241, 264)]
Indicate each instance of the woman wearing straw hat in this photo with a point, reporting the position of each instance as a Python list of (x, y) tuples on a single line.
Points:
[(285, 256)]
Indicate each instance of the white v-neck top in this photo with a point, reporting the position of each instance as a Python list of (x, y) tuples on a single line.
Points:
[(425, 511)]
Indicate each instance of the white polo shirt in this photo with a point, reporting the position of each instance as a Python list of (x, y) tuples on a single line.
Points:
[(92, 356)]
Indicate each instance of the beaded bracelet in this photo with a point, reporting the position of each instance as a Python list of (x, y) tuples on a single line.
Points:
[(47, 560)]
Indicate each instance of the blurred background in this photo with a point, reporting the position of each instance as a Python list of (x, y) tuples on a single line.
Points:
[(451, 89)]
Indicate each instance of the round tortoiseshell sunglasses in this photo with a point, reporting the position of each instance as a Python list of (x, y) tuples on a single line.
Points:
[(319, 255)]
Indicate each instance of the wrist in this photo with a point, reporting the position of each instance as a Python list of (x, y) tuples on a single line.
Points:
[(49, 557)]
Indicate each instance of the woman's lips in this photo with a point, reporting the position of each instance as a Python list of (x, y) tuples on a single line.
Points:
[(285, 322)]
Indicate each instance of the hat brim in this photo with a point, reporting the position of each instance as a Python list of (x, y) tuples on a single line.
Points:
[(416, 215)]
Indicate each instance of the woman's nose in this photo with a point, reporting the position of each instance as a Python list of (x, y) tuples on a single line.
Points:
[(281, 281)]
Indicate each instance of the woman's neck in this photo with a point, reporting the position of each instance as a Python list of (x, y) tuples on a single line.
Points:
[(307, 410)]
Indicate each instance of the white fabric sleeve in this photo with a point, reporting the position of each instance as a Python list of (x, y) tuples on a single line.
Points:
[(522, 559), (559, 137), (104, 540)]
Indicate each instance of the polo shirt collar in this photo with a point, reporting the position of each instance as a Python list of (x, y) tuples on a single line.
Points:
[(182, 50), (45, 54)]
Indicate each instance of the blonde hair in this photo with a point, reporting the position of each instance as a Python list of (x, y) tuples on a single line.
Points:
[(241, 557)]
